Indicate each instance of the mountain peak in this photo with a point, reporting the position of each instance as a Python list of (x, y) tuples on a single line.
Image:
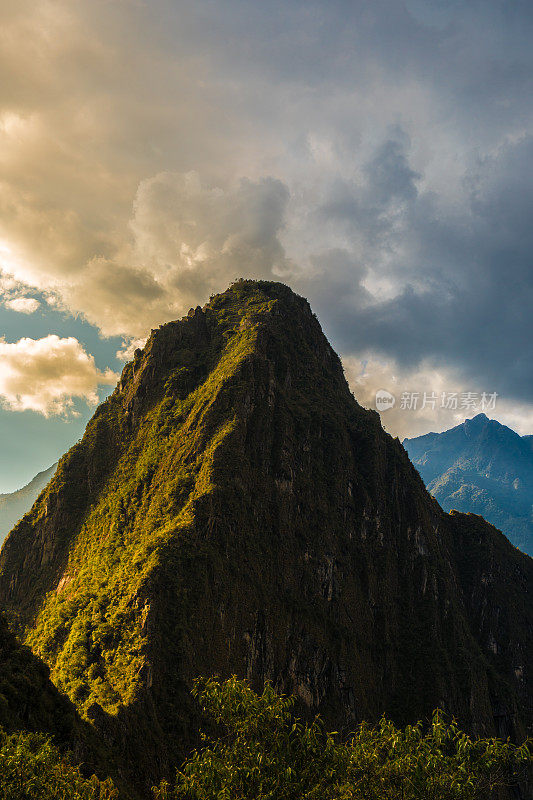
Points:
[(231, 509), (484, 467), (233, 326)]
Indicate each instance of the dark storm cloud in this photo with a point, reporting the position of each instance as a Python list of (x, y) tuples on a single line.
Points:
[(469, 295)]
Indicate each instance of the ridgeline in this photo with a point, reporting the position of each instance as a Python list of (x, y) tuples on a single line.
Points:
[(231, 509)]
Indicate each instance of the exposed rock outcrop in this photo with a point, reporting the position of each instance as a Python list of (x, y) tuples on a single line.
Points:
[(232, 509)]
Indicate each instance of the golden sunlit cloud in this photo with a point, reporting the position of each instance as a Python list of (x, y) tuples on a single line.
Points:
[(46, 375), (147, 159)]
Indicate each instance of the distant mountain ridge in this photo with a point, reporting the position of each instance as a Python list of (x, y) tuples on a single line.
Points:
[(14, 505), (483, 467)]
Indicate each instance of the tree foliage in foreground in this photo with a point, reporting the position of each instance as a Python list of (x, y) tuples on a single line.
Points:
[(32, 768), (263, 752)]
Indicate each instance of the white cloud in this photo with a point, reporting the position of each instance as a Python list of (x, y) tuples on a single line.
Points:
[(46, 375), (12, 291), (24, 305)]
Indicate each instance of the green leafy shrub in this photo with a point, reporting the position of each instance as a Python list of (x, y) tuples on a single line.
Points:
[(262, 751), (31, 768)]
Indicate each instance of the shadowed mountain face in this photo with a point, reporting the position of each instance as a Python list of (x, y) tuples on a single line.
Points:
[(483, 467), (232, 509), (30, 702), (14, 505)]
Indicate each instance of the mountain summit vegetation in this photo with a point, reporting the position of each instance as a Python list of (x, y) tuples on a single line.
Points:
[(231, 509)]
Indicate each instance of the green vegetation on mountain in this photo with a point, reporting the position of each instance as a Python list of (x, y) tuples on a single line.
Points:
[(28, 700), (261, 752), (32, 768), (41, 734), (231, 509), (90, 629)]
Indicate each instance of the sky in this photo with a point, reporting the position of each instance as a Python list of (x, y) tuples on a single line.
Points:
[(376, 155)]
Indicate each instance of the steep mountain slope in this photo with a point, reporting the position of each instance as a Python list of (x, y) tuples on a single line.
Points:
[(29, 702), (14, 505), (232, 509), (483, 467)]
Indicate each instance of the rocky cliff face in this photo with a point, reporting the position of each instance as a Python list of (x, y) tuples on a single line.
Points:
[(232, 509)]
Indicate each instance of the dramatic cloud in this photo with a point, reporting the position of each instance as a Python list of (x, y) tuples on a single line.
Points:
[(375, 155), (186, 241), (450, 283), (46, 375)]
